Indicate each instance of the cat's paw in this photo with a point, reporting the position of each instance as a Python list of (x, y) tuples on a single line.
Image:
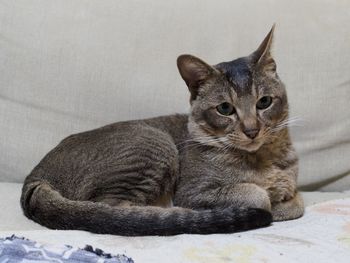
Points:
[(281, 187), (292, 209), (280, 194)]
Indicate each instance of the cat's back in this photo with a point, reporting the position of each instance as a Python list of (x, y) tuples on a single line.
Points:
[(101, 150), (118, 133)]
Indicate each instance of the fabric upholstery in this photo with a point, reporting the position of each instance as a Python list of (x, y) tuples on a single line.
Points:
[(321, 235), (68, 66), (13, 219)]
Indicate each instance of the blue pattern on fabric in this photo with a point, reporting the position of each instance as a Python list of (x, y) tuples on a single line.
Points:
[(15, 249)]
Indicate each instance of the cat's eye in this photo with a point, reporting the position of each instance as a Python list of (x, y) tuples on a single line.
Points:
[(226, 109), (264, 102)]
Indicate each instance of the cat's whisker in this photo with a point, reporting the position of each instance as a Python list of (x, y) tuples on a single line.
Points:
[(196, 140), (234, 137), (201, 141), (293, 121), (221, 153)]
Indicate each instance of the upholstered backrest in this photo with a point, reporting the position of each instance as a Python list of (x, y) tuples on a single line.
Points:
[(67, 66)]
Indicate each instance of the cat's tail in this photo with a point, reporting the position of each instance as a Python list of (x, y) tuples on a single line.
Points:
[(43, 204)]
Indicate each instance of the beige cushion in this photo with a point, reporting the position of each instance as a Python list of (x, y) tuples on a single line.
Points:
[(67, 66)]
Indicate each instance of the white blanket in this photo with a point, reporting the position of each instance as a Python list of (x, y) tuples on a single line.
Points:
[(322, 235)]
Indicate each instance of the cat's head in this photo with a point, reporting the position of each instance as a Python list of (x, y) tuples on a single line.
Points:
[(240, 103)]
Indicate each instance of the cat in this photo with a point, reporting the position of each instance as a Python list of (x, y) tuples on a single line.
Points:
[(227, 166)]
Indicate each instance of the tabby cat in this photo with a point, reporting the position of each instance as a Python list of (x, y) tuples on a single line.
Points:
[(227, 166)]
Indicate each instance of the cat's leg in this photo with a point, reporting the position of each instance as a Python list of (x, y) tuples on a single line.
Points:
[(286, 202), (144, 170), (243, 195), (248, 195), (287, 210)]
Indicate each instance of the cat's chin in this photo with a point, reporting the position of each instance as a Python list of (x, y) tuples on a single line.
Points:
[(252, 147)]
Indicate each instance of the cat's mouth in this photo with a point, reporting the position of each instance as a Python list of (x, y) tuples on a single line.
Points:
[(251, 145)]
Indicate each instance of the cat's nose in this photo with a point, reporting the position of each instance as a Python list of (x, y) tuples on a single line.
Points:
[(251, 133)]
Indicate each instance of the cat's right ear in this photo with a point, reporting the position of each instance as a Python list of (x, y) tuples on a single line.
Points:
[(194, 72)]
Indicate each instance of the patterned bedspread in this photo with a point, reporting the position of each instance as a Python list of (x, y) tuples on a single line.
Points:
[(14, 249)]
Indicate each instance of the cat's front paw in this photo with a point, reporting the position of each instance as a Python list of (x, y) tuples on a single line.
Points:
[(279, 194), (292, 209), (281, 187)]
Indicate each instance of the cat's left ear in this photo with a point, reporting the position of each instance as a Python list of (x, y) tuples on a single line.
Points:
[(262, 57), (194, 72)]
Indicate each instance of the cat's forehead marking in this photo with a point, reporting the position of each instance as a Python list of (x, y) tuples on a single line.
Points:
[(239, 73)]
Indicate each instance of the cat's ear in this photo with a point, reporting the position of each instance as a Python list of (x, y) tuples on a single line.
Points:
[(194, 72), (262, 57)]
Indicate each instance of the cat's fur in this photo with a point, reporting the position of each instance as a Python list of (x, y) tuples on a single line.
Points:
[(110, 180)]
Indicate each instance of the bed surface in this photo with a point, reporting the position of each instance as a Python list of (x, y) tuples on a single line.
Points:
[(322, 235)]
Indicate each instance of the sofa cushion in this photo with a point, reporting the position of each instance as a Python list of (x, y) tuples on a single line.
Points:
[(67, 66)]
